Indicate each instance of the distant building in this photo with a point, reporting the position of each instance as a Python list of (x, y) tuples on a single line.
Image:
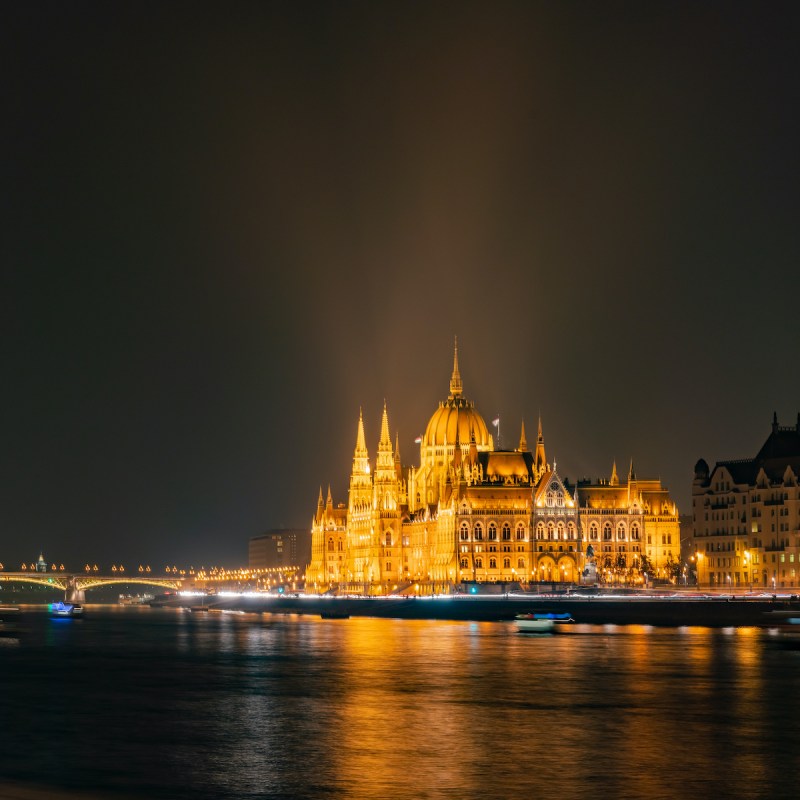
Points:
[(280, 548), (631, 526), (746, 516)]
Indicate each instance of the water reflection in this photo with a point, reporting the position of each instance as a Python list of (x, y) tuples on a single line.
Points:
[(213, 706)]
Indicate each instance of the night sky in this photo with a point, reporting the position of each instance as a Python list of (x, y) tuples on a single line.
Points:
[(226, 227)]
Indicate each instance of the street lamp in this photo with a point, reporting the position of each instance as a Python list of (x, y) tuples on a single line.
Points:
[(747, 574)]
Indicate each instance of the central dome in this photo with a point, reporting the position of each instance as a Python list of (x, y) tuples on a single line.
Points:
[(456, 419)]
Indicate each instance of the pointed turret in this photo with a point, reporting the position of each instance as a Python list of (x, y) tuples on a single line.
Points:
[(614, 477), (457, 454), (361, 456), (386, 441), (523, 442), (360, 494), (455, 380), (631, 473), (329, 501), (540, 460), (384, 463), (473, 447), (319, 505)]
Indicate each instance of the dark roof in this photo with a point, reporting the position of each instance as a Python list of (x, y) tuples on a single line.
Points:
[(780, 450)]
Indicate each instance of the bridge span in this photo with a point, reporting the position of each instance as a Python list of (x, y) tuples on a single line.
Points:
[(76, 585)]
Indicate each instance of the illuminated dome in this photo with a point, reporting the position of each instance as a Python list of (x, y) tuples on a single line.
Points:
[(456, 418)]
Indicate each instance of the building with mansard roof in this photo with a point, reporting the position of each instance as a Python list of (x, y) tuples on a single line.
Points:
[(469, 513), (746, 516)]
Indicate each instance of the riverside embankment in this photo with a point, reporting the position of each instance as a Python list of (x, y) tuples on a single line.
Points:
[(710, 611)]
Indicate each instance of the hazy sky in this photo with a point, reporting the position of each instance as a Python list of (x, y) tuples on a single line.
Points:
[(226, 227)]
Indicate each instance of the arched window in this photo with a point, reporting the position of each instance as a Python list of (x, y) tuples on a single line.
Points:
[(520, 563), (464, 532), (571, 530), (549, 498), (389, 539), (506, 563), (478, 531), (464, 563), (635, 531), (492, 532), (492, 563), (607, 531), (506, 532), (550, 531), (540, 531), (520, 532), (621, 531), (559, 498), (560, 531), (330, 545), (593, 531), (479, 563)]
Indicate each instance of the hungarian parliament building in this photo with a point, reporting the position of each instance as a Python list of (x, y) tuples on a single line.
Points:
[(470, 513)]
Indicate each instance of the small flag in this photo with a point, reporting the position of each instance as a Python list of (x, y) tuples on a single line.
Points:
[(496, 422), (418, 440)]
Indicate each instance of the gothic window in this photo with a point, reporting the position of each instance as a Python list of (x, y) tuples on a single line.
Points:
[(560, 531), (464, 532), (540, 531), (621, 531), (330, 545), (464, 563), (478, 531), (559, 498), (607, 531), (571, 529), (593, 531), (479, 563), (635, 531), (520, 532), (549, 498), (506, 532), (520, 563), (506, 563), (492, 563), (550, 531), (340, 545), (388, 539), (492, 532), (388, 566)]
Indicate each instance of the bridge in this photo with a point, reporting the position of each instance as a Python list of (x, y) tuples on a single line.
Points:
[(75, 586)]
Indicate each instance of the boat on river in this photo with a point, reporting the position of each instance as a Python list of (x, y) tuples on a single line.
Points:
[(541, 623), (64, 610)]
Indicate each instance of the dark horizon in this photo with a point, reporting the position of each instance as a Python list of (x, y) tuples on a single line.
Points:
[(224, 231)]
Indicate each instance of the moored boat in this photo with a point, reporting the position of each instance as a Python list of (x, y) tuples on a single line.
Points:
[(541, 623)]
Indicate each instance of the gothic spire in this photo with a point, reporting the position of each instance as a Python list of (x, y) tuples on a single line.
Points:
[(614, 477), (540, 459), (386, 441), (455, 380), (361, 442), (523, 442)]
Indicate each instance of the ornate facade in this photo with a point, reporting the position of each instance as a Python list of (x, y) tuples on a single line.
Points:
[(467, 513), (746, 516), (631, 528)]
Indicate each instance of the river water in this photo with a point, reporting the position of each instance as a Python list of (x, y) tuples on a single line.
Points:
[(157, 703)]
